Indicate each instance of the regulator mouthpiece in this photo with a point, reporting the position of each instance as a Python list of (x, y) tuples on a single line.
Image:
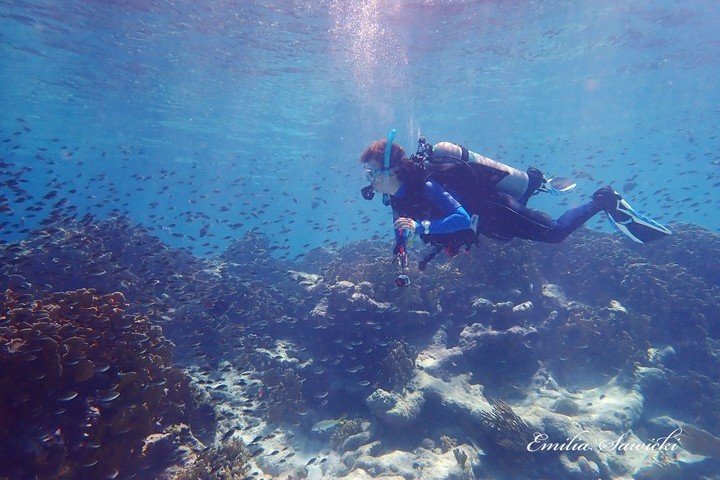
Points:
[(368, 192)]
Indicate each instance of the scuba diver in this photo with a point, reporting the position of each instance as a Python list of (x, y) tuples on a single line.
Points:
[(449, 195)]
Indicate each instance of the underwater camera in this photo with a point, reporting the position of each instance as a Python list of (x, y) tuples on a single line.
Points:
[(402, 281)]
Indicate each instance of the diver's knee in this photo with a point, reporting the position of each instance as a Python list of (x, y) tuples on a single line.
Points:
[(556, 236)]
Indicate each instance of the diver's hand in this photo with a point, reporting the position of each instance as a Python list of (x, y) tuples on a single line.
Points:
[(404, 223)]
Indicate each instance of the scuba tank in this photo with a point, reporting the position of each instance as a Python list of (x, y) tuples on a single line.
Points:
[(445, 156)]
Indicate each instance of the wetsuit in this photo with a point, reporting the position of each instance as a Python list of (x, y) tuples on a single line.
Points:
[(504, 217), (500, 215)]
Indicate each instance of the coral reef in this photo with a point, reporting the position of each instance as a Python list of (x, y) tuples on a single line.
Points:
[(222, 462), (83, 384), (594, 334), (283, 387), (399, 365), (204, 298), (345, 429), (366, 462)]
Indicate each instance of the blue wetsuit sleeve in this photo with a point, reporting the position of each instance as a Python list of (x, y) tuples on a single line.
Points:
[(455, 219)]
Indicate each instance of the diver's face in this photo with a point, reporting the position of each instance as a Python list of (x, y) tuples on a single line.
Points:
[(383, 181)]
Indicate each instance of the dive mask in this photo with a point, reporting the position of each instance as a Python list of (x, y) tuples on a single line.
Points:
[(371, 173)]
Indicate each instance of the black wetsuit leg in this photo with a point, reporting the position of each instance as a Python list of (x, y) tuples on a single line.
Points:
[(505, 216), (535, 179)]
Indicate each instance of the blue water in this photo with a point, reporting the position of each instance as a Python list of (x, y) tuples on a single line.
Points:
[(220, 110)]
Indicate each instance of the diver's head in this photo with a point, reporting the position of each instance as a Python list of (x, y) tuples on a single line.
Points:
[(383, 180)]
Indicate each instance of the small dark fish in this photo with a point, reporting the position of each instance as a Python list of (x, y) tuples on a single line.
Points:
[(68, 396), (629, 186), (109, 397), (228, 434), (311, 461)]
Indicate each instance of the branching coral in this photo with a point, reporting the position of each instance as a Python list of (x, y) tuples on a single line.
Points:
[(398, 367), (345, 429), (224, 462)]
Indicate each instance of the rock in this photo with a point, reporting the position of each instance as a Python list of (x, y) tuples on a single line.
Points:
[(588, 468), (566, 406), (308, 281), (394, 409), (343, 286), (659, 355), (159, 446), (346, 295), (321, 309), (570, 467), (460, 456), (365, 288), (381, 401), (482, 305), (617, 307), (474, 339), (360, 474), (421, 463), (293, 474), (582, 468), (650, 377), (523, 310), (698, 441), (354, 442), (427, 444), (440, 338), (503, 309), (436, 356), (447, 443), (555, 296)]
